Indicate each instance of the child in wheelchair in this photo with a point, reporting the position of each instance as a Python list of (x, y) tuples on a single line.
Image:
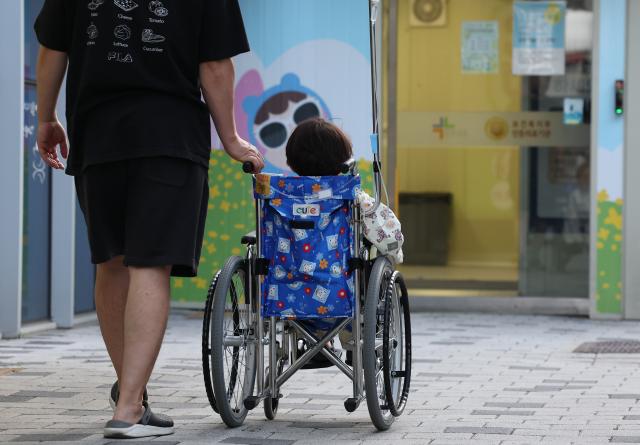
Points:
[(319, 148)]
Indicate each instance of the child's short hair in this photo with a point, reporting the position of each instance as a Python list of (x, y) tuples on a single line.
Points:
[(317, 148)]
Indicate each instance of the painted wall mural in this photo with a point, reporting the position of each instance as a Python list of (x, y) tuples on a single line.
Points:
[(608, 237), (307, 59)]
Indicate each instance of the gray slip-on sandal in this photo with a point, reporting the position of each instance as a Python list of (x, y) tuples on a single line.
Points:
[(149, 425), (115, 393)]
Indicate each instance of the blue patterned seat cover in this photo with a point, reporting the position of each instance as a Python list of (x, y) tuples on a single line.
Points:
[(308, 274)]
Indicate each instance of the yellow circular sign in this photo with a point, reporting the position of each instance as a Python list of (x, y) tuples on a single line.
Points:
[(496, 128), (553, 14)]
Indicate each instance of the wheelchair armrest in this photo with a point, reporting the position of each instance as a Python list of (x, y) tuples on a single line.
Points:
[(249, 239)]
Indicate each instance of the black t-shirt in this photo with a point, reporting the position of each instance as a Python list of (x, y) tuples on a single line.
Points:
[(133, 77)]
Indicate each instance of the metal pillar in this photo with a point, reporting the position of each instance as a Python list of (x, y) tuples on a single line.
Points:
[(631, 224), (63, 245), (12, 166)]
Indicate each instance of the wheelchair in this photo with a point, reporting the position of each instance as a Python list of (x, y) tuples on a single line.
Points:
[(252, 331)]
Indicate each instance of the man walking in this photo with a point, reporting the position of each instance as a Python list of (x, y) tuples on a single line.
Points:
[(139, 135)]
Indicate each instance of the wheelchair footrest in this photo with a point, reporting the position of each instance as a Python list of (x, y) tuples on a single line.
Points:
[(352, 404), (251, 402)]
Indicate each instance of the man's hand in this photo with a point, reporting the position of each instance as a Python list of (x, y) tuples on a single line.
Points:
[(243, 151), (50, 136)]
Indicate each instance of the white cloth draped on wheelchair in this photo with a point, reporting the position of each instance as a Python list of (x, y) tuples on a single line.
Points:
[(382, 227)]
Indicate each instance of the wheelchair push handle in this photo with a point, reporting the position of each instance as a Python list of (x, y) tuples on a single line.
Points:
[(247, 167), (348, 167)]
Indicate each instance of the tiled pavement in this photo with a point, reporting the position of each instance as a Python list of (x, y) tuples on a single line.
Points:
[(482, 379)]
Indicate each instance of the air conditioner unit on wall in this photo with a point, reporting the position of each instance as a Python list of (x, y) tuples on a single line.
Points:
[(428, 13)]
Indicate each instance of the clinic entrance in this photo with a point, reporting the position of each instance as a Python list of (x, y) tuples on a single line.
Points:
[(492, 103)]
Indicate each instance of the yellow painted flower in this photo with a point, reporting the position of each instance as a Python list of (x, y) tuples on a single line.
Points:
[(225, 206), (214, 192), (212, 234), (225, 237), (178, 283), (600, 245), (614, 218), (228, 184), (235, 251), (603, 196), (324, 264), (603, 234)]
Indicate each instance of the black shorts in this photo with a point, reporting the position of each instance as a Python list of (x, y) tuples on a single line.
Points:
[(151, 210)]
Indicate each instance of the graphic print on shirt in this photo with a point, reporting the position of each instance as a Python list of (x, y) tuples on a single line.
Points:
[(156, 7), (122, 32), (92, 31), (119, 57), (126, 5), (94, 4), (148, 36)]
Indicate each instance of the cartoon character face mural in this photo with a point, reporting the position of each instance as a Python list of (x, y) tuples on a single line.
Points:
[(271, 116)]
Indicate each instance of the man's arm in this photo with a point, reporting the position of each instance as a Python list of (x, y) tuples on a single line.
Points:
[(217, 80), (50, 71)]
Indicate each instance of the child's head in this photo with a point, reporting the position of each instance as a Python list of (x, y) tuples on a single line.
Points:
[(317, 148)]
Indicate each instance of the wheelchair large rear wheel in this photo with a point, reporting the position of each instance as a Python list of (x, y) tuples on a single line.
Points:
[(396, 345), (206, 347), (373, 337), (233, 344)]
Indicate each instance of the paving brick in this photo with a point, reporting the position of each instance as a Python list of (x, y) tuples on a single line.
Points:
[(14, 399), (48, 394), (514, 405), (494, 412), (625, 439), (470, 383), (50, 437), (479, 430), (255, 441)]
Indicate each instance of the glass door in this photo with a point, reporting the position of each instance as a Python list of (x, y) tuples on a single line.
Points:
[(493, 146)]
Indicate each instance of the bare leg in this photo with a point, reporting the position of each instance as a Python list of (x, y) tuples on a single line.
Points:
[(145, 322), (112, 286)]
